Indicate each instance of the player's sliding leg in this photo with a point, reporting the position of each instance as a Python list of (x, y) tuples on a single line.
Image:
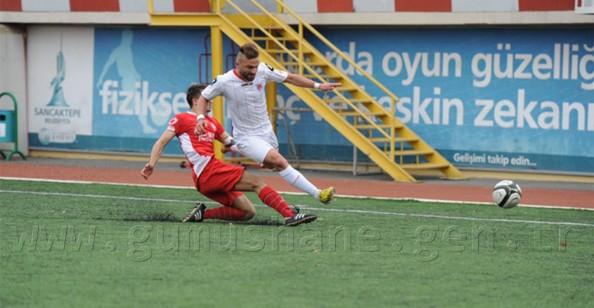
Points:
[(273, 199), (225, 213), (241, 209), (200, 213)]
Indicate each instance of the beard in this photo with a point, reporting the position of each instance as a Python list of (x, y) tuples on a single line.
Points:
[(248, 76)]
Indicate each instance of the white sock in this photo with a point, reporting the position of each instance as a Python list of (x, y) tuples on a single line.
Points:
[(295, 178)]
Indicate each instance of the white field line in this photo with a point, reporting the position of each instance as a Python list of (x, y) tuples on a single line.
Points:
[(24, 192), (301, 194), (457, 217)]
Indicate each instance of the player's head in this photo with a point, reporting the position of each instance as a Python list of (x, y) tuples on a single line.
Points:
[(193, 94), (248, 59)]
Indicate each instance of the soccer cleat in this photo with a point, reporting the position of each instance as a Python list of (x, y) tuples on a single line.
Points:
[(326, 195), (295, 209), (298, 219), (197, 213)]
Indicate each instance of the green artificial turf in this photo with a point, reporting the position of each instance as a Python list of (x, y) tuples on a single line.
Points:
[(77, 245)]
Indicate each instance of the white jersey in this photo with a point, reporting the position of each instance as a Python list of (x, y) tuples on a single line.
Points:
[(246, 99)]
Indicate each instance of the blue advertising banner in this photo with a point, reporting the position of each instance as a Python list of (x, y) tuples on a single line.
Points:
[(504, 99), (141, 76), (485, 98), (139, 79)]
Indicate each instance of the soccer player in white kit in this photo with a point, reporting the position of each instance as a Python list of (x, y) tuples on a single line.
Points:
[(243, 90)]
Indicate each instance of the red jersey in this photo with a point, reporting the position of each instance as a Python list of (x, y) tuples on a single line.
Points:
[(199, 150)]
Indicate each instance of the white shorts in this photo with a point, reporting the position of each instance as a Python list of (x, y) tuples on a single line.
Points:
[(256, 147)]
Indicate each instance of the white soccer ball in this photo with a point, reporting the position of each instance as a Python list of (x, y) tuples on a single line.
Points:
[(507, 194)]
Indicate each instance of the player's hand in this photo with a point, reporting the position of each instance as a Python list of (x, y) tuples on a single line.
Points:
[(329, 86), (200, 127), (147, 171), (226, 148)]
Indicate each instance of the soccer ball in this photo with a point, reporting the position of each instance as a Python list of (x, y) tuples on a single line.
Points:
[(507, 194)]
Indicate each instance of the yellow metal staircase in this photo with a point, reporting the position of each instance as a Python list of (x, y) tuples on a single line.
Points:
[(360, 118)]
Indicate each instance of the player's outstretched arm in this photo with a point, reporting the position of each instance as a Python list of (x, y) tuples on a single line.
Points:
[(156, 153), (301, 81), (228, 143), (226, 139), (201, 113)]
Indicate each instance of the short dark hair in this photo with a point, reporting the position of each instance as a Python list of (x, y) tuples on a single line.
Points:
[(249, 50), (194, 91)]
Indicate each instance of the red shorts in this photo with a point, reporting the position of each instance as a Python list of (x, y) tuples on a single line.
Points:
[(217, 181)]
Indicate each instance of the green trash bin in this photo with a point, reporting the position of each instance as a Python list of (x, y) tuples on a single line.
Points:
[(9, 127), (6, 126)]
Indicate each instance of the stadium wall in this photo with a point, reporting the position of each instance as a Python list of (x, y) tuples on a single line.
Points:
[(300, 6), (500, 96), (13, 80)]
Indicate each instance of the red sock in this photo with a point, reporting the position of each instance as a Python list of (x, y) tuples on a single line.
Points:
[(274, 200), (224, 213)]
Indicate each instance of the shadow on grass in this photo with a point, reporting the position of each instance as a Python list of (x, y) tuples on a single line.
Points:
[(170, 217), (162, 216)]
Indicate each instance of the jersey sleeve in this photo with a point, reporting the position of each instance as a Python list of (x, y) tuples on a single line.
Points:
[(271, 74), (174, 125), (214, 89)]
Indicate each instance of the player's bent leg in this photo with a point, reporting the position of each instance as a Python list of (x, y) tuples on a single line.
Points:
[(299, 181), (249, 182), (274, 160), (200, 213), (273, 199), (263, 152), (244, 204), (295, 178), (228, 211)]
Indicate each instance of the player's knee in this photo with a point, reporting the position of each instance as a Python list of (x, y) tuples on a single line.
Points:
[(275, 160), (253, 182), (259, 184), (249, 214)]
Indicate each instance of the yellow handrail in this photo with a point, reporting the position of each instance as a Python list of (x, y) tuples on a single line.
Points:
[(338, 51), (304, 64)]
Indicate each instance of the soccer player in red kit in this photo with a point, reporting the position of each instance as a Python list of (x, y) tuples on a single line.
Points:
[(213, 178)]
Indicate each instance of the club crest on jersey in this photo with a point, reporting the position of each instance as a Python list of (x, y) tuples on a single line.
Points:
[(207, 137), (259, 86)]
